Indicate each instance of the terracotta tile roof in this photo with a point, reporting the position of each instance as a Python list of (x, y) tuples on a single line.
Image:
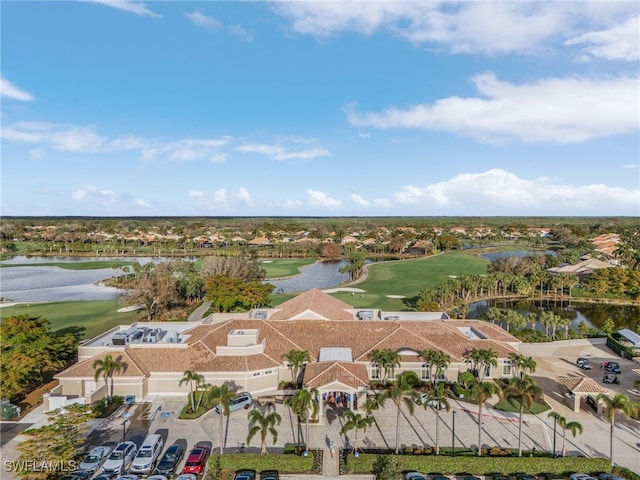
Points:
[(322, 373), (131, 367), (313, 304), (582, 385)]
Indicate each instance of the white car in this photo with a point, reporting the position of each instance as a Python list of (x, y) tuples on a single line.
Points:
[(414, 476), (120, 456), (157, 477), (127, 477), (581, 476), (95, 458), (423, 399)]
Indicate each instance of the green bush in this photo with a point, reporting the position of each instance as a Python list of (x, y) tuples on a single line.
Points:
[(449, 465), (275, 461), (102, 409), (187, 414)]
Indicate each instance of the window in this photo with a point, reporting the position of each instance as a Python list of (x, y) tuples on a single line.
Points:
[(488, 371), (425, 374), (268, 372), (256, 374), (375, 371), (506, 367)]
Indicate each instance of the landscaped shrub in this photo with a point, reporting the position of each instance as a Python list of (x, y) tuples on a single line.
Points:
[(102, 409), (499, 452)]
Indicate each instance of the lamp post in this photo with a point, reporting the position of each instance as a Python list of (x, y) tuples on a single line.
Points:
[(124, 435), (555, 421), (453, 430)]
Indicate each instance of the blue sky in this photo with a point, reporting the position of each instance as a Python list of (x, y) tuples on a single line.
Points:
[(123, 108)]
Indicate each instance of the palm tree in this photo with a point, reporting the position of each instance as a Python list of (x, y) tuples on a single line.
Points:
[(388, 360), (106, 368), (488, 359), (525, 390), (304, 404), (573, 426), (402, 391), (437, 361), (193, 378), (481, 392), (620, 402), (296, 360), (264, 424), (358, 422), (221, 396), (439, 395)]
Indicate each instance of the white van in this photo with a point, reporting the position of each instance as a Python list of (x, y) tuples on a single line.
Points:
[(148, 454)]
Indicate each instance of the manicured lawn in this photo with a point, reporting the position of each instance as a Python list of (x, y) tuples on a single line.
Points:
[(408, 277), (285, 268), (94, 317), (274, 461), (513, 405)]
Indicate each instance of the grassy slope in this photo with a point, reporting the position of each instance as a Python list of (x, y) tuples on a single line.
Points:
[(408, 277), (94, 317), (93, 265), (285, 268)]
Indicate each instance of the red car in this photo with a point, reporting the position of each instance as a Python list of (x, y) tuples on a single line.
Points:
[(197, 459)]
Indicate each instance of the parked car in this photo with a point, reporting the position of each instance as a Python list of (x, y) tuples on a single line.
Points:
[(613, 367), (501, 477), (609, 476), (269, 475), (94, 459), (121, 455), (104, 476), (245, 475), (526, 476), (197, 459), (242, 400), (440, 477), (414, 476), (583, 363), (580, 476), (423, 399), (127, 477), (186, 476), (170, 460), (471, 478), (148, 453), (610, 378), (157, 477)]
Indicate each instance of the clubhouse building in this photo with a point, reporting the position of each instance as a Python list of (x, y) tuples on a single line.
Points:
[(244, 350)]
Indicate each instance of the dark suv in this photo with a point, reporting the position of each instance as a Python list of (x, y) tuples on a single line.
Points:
[(170, 460), (613, 367)]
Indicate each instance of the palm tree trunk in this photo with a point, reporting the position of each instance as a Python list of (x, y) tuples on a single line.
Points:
[(611, 441), (564, 441), (398, 428), (520, 429), (480, 430), (306, 440), (221, 430), (437, 429)]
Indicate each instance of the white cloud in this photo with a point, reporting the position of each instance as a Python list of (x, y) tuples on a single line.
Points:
[(497, 190), (292, 204), (487, 27), (359, 200), (84, 139), (620, 42), (9, 90), (205, 21), (139, 8), (202, 20), (553, 110), (630, 165), (318, 199), (222, 198), (279, 153)]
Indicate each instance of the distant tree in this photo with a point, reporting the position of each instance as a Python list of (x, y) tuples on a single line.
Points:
[(330, 250), (264, 424), (608, 326), (57, 444), (30, 353), (106, 367), (356, 263), (246, 269), (229, 294)]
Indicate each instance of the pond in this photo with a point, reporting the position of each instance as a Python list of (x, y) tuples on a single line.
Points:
[(54, 284), (593, 314)]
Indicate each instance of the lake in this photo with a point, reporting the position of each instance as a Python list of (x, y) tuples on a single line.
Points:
[(55, 284)]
